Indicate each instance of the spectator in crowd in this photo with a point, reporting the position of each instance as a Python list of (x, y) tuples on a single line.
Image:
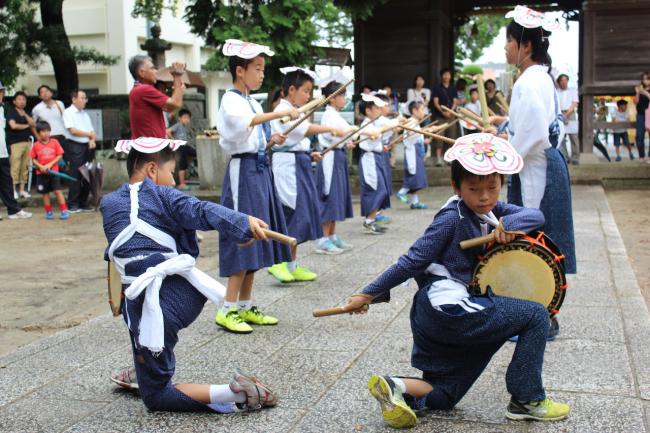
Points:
[(491, 96), (46, 153), (474, 105), (6, 182), (444, 94), (642, 100), (186, 153), (620, 134), (461, 86), (274, 99), (393, 97), (19, 137), (147, 103), (51, 111), (358, 116), (80, 141), (419, 93), (568, 99)]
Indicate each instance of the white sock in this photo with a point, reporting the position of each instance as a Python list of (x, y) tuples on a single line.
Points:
[(322, 241), (292, 265), (403, 191), (370, 221), (415, 199), (223, 394), (244, 305), (227, 306), (333, 238), (399, 383)]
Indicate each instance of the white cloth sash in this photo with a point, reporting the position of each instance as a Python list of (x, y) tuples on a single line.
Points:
[(284, 176), (369, 169), (328, 169), (151, 328)]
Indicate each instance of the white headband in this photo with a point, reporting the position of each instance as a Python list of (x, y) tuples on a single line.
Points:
[(339, 76), (532, 19), (147, 144), (245, 50), (372, 98), (288, 69)]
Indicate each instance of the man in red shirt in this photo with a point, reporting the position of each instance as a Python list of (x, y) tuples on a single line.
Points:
[(146, 103)]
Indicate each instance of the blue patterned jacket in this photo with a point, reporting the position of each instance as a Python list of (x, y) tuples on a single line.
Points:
[(440, 244)]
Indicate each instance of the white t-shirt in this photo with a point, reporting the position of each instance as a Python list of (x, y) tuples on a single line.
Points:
[(413, 95), (566, 98), (3, 141), (233, 123), (52, 115), (74, 118)]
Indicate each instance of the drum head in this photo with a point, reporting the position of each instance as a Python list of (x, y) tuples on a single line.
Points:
[(528, 268), (518, 274)]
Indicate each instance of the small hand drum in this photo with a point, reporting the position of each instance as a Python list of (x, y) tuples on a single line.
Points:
[(531, 267)]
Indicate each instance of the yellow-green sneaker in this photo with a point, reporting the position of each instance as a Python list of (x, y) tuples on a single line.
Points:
[(303, 274), (541, 410), (394, 409), (256, 317), (232, 322), (281, 272)]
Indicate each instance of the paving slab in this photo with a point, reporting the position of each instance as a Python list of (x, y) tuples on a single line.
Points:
[(600, 362)]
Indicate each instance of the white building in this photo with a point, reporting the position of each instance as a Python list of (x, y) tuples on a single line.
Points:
[(107, 25)]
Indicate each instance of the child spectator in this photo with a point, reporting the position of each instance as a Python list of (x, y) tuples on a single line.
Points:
[(620, 134), (186, 153), (415, 175), (46, 154), (475, 107)]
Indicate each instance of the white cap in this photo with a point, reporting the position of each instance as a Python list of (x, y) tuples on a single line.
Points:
[(245, 50), (532, 19), (288, 69), (372, 98), (147, 144), (341, 76)]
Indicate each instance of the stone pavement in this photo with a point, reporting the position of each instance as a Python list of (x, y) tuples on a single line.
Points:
[(600, 363)]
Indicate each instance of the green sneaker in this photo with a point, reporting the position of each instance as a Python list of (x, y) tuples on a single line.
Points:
[(542, 410), (232, 322), (281, 272), (256, 317), (394, 409), (303, 274)]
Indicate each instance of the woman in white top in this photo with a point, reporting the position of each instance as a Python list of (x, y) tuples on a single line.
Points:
[(419, 93), (533, 130)]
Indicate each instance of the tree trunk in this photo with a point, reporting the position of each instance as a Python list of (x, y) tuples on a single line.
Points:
[(57, 46)]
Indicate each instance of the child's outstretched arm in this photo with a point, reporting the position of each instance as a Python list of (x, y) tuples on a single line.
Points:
[(194, 214), (518, 219), (426, 250)]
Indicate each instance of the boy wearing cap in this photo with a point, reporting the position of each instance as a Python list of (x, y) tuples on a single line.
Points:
[(455, 334), (151, 230)]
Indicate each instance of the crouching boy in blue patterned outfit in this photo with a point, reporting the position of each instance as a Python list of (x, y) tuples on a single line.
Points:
[(151, 230), (455, 334)]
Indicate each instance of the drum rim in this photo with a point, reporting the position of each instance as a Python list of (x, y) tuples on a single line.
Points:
[(551, 255)]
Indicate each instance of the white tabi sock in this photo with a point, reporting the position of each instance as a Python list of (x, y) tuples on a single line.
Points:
[(403, 191), (223, 394), (227, 306), (333, 238), (292, 265), (415, 199), (399, 383), (244, 305), (322, 241)]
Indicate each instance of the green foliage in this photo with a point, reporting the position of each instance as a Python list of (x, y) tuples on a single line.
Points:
[(153, 9), (289, 27), (472, 70), (18, 39), (91, 55), (476, 35)]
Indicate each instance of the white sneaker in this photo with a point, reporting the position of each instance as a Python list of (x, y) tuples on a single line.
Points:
[(25, 194), (21, 214), (329, 248)]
